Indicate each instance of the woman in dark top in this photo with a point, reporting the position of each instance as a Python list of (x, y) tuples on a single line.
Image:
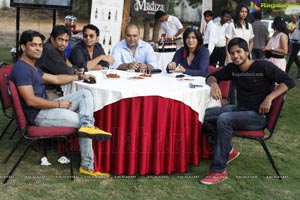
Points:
[(192, 58)]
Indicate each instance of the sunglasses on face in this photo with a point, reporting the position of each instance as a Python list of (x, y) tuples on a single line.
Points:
[(92, 36)]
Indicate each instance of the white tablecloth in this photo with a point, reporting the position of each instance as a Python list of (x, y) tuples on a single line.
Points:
[(109, 90), (163, 59)]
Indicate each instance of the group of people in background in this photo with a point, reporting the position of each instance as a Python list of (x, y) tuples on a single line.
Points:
[(227, 42)]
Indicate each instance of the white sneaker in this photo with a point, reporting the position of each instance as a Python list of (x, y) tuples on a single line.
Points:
[(45, 162), (63, 160)]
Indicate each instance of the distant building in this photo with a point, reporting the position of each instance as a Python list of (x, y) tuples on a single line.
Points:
[(4, 3), (187, 13)]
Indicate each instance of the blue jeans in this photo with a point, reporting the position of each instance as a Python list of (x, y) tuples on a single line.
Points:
[(80, 114), (226, 119)]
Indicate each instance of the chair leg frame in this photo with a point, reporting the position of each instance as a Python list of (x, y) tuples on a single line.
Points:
[(270, 157), (7, 126), (66, 146), (263, 144), (13, 134), (16, 164), (13, 150)]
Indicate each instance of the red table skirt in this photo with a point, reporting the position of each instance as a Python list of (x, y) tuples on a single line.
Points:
[(150, 135)]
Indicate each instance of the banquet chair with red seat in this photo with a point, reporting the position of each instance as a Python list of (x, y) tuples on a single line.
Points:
[(224, 85), (32, 133), (5, 69), (262, 135)]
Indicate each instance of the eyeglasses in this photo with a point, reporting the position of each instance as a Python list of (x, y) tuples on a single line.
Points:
[(92, 36), (194, 27)]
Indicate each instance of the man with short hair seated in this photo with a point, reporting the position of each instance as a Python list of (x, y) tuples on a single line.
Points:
[(89, 54), (74, 110), (53, 59), (254, 81), (132, 53)]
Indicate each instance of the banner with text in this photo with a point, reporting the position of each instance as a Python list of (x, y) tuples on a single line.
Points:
[(107, 16), (146, 8)]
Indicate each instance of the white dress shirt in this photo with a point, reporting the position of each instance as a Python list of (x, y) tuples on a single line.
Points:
[(246, 34), (210, 36), (171, 26), (220, 29)]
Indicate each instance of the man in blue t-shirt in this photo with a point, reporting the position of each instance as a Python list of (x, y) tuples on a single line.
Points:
[(41, 111)]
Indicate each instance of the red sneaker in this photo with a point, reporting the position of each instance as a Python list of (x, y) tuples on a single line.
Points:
[(214, 177), (234, 153)]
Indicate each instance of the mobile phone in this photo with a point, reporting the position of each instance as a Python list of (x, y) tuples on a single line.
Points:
[(179, 76)]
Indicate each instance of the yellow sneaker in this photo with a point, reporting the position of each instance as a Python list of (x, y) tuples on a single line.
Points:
[(94, 133), (93, 173)]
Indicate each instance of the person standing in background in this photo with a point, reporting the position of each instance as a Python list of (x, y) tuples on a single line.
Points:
[(292, 25), (238, 28), (210, 34), (170, 25), (278, 44), (295, 47), (219, 52), (261, 36)]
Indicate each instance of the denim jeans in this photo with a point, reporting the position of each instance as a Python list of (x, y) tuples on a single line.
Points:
[(80, 114), (227, 119)]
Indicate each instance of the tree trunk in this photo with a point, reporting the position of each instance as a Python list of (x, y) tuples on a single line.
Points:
[(146, 30), (155, 36), (126, 12)]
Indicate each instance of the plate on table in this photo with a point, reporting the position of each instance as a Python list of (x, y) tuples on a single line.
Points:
[(145, 75), (135, 78)]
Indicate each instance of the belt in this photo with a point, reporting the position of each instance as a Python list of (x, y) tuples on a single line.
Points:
[(269, 54)]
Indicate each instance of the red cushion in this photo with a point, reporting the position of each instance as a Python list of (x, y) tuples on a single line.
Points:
[(250, 134), (3, 91), (224, 85), (40, 132), (20, 117)]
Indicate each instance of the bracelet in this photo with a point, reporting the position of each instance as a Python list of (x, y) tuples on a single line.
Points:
[(58, 104), (79, 76)]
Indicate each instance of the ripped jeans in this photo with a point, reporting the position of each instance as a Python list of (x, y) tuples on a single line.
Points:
[(80, 114)]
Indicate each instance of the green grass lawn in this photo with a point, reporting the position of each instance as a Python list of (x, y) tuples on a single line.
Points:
[(250, 176)]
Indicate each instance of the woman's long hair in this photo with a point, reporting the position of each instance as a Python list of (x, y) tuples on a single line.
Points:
[(236, 19), (186, 51), (280, 25)]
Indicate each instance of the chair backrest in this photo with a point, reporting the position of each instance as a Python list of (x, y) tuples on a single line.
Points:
[(224, 85), (5, 102), (16, 104), (274, 114)]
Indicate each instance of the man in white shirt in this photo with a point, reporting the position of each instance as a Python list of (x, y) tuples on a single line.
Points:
[(219, 52), (210, 34), (132, 53), (170, 25)]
